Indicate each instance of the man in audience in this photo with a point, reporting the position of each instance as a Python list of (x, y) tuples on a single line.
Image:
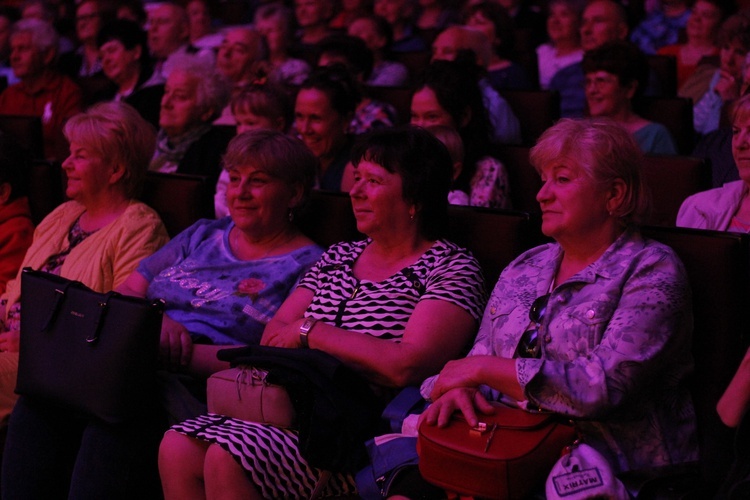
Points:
[(42, 91), (168, 41), (603, 21), (8, 16), (312, 18), (400, 15), (459, 41)]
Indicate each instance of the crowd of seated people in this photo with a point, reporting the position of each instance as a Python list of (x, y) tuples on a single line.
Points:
[(401, 104)]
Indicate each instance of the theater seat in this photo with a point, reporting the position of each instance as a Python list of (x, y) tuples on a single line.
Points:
[(537, 110), (27, 130), (671, 179), (675, 113), (179, 199), (523, 178)]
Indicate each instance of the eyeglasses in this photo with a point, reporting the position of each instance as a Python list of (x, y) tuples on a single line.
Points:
[(529, 346)]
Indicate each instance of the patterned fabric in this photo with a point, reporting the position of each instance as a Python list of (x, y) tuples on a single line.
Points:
[(489, 185), (658, 30), (712, 209), (381, 309), (270, 456), (169, 151), (389, 74), (75, 236), (213, 293), (615, 348), (371, 116), (290, 72)]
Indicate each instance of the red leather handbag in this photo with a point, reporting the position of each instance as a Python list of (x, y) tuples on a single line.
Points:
[(506, 457)]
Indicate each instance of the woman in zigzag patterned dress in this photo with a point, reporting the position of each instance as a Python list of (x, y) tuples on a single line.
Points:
[(395, 307)]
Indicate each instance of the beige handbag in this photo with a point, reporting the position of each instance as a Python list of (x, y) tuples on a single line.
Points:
[(243, 392)]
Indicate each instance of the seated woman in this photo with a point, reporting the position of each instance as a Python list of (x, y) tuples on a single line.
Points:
[(186, 143), (452, 98), (16, 227), (377, 35), (254, 107), (725, 208), (564, 46), (240, 268), (127, 64), (98, 238), (323, 113), (493, 20), (415, 299), (615, 74), (700, 31), (596, 325)]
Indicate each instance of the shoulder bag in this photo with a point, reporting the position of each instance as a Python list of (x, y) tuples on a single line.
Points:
[(505, 457), (95, 353)]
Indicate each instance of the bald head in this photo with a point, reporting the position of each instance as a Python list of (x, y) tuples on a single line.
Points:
[(452, 40), (603, 21)]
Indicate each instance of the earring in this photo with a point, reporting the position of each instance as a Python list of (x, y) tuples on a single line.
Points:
[(290, 215), (411, 217)]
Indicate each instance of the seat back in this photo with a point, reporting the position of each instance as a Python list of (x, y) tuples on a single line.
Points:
[(671, 179), (416, 62), (665, 68), (536, 110), (179, 199), (717, 265), (675, 113), (523, 178), (328, 218), (46, 188), (27, 130), (398, 97)]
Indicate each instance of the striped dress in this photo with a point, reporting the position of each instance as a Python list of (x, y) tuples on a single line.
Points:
[(270, 455)]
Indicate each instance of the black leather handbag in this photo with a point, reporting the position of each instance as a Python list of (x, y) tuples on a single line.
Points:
[(91, 352)]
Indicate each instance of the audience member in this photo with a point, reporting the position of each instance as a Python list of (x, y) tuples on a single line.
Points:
[(240, 61), (616, 73), (16, 227), (564, 46), (274, 22), (449, 97), (433, 16), (256, 107), (602, 21), (353, 54), (412, 302), (127, 64), (241, 267), (662, 26), (187, 143), (323, 112), (400, 16), (49, 12), (168, 41), (377, 35), (202, 33), (91, 15), (8, 16), (711, 89), (725, 208), (132, 10), (492, 20), (42, 91), (608, 344), (97, 238), (451, 139), (312, 17), (470, 46), (528, 22), (350, 11), (701, 31)]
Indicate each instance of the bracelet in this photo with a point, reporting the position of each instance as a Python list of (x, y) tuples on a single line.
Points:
[(304, 331)]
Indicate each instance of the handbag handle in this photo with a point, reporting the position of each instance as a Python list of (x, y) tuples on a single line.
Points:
[(103, 308), (59, 297)]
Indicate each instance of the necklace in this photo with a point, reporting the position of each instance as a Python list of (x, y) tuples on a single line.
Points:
[(237, 248)]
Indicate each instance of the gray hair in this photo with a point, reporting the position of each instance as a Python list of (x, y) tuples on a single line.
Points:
[(43, 34), (212, 92)]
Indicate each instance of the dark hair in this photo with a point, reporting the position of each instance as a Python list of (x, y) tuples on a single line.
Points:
[(267, 100), (456, 88), (504, 43), (14, 166), (622, 59), (353, 50), (422, 162), (735, 28), (129, 34), (337, 84)]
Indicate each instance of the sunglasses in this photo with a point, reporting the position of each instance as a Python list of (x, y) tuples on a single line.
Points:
[(529, 345)]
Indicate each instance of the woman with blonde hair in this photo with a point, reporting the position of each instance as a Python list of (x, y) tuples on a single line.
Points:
[(97, 238)]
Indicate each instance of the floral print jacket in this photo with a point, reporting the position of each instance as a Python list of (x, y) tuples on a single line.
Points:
[(615, 348)]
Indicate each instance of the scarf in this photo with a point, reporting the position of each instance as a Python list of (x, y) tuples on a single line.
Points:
[(171, 151)]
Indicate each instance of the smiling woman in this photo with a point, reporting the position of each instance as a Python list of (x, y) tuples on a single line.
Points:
[(394, 307)]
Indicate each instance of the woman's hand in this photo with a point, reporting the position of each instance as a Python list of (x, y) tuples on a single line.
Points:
[(728, 87), (9, 341), (465, 399), (175, 344), (283, 336), (458, 373)]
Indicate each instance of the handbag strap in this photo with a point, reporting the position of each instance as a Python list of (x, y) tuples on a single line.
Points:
[(59, 297), (103, 308)]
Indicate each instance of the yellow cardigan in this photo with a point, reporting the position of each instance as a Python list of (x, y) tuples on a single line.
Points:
[(103, 260)]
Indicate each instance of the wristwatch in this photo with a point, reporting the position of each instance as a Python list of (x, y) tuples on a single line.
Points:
[(304, 331)]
